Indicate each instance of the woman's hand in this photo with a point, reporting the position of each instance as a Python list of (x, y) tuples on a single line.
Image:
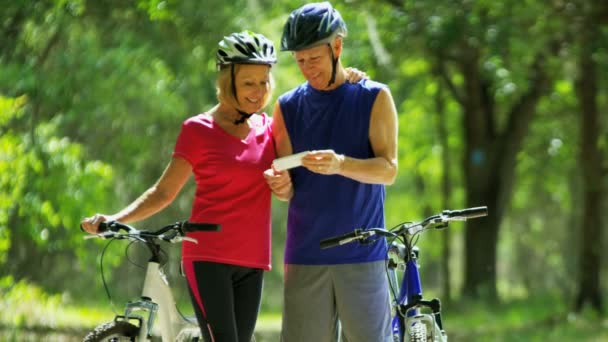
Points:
[(354, 75), (279, 183), (91, 224)]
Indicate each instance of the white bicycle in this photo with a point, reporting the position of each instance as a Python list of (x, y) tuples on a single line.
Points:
[(154, 316)]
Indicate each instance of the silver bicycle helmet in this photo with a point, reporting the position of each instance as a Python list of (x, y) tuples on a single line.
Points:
[(245, 48), (310, 25)]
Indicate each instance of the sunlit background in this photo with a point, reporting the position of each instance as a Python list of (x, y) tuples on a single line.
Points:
[(501, 103)]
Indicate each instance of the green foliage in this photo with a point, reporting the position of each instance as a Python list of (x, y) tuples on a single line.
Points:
[(25, 302), (538, 318), (92, 95), (543, 318), (24, 305), (45, 184)]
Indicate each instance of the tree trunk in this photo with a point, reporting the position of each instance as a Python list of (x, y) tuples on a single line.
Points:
[(446, 193), (589, 290), (481, 235), (489, 166)]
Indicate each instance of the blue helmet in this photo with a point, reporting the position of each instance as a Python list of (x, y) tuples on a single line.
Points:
[(310, 25)]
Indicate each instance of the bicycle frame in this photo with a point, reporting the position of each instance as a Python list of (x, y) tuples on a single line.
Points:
[(157, 300)]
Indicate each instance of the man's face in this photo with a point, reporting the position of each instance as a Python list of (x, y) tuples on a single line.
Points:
[(315, 65)]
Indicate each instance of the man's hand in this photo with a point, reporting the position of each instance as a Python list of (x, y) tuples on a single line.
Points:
[(325, 162)]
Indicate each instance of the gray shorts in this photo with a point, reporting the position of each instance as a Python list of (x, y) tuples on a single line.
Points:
[(318, 298)]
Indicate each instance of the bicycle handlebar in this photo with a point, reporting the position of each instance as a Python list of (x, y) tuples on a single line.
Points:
[(467, 213), (340, 240), (200, 227), (357, 234), (175, 232), (435, 221)]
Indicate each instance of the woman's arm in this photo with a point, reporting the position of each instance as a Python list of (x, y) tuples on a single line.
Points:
[(153, 200)]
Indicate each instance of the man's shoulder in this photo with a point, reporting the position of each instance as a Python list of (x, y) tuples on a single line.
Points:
[(371, 84), (365, 88)]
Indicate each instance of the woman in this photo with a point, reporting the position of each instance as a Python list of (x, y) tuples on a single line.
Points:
[(227, 148)]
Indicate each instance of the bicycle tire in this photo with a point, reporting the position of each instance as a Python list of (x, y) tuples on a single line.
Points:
[(417, 332), (115, 331)]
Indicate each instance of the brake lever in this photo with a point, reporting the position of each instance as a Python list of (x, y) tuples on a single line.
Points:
[(185, 238), (103, 235), (178, 238), (457, 218)]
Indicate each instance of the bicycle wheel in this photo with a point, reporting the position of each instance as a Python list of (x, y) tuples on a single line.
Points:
[(417, 332), (115, 331)]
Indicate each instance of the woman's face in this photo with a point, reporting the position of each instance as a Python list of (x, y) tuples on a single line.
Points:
[(252, 83)]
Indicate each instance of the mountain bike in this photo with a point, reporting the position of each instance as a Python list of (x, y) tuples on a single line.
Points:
[(414, 318), (154, 316)]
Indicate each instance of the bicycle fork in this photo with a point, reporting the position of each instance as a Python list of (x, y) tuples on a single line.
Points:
[(156, 300), (409, 303)]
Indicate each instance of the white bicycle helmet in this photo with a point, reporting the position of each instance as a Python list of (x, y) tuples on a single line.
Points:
[(245, 48)]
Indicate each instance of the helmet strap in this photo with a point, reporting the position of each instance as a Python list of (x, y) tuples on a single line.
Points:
[(232, 83), (334, 63), (244, 117)]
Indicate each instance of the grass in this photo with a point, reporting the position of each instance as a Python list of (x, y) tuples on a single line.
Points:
[(27, 313), (530, 320)]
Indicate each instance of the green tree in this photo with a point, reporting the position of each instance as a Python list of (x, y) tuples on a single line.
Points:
[(591, 158), (497, 77)]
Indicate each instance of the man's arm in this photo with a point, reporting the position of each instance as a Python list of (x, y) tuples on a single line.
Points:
[(383, 132)]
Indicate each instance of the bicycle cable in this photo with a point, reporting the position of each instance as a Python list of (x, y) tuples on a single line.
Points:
[(392, 288), (103, 253), (103, 278)]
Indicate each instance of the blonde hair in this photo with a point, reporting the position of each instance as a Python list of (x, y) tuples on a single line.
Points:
[(224, 86)]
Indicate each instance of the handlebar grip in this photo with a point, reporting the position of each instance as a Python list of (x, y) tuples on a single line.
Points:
[(200, 227), (468, 213), (338, 240), (103, 226)]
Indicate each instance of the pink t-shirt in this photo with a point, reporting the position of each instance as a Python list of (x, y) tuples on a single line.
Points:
[(230, 190)]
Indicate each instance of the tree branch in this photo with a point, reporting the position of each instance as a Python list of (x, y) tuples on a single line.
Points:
[(396, 3), (49, 46), (519, 118), (441, 71), (488, 104), (10, 35)]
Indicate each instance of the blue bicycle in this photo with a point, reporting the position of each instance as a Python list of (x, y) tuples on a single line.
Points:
[(414, 318)]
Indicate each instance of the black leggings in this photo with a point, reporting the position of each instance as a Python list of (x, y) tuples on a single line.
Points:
[(230, 297)]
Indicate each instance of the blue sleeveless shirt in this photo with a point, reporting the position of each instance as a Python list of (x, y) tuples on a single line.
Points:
[(325, 206)]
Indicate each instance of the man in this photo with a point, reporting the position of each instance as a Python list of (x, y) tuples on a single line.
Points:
[(350, 130)]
